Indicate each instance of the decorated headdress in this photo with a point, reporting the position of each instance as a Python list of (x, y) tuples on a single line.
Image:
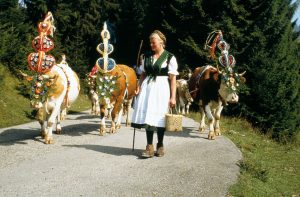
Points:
[(105, 64), (215, 39), (39, 61)]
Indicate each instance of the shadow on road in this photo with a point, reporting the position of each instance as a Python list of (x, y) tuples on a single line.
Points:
[(17, 136), (118, 151), (186, 132), (79, 129)]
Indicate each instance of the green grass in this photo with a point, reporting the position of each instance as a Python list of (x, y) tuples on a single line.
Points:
[(15, 108), (82, 103), (267, 168)]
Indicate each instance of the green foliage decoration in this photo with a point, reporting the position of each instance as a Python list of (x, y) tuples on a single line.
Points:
[(106, 85)]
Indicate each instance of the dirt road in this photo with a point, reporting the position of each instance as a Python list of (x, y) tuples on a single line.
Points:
[(82, 163)]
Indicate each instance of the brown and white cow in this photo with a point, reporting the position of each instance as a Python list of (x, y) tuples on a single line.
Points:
[(54, 86), (212, 90), (53, 92), (183, 96), (124, 93), (116, 84)]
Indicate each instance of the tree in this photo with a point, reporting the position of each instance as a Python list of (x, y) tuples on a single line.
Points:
[(14, 35)]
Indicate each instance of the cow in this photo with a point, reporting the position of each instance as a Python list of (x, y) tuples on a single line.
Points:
[(185, 74), (116, 83), (183, 96), (92, 94), (212, 90), (54, 86), (126, 81), (52, 93)]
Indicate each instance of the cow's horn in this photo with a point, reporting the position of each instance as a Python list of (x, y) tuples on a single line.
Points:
[(47, 77), (23, 74), (242, 74)]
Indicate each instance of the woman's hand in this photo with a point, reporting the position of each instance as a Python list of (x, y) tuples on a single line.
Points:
[(172, 102)]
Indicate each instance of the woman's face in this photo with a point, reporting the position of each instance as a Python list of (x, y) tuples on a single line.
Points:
[(156, 44)]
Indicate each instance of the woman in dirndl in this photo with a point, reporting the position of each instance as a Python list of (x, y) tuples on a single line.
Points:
[(156, 93)]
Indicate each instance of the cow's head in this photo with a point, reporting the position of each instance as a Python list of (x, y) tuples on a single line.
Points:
[(230, 83), (185, 90), (91, 81), (40, 85)]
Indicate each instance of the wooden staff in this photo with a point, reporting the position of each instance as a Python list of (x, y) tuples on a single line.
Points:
[(138, 55), (137, 65)]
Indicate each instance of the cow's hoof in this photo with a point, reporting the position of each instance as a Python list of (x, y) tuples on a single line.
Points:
[(118, 126), (201, 129), (217, 132), (58, 131), (112, 130), (43, 134), (211, 135), (49, 140), (102, 132)]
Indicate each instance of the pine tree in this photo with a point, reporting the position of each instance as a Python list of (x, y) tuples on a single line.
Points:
[(274, 70), (14, 35)]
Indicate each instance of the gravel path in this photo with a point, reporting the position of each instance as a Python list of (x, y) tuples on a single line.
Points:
[(82, 163)]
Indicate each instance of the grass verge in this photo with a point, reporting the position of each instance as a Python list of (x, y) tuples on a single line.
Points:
[(267, 168)]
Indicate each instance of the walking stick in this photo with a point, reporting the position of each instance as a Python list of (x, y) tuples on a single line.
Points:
[(133, 139), (138, 55), (137, 65)]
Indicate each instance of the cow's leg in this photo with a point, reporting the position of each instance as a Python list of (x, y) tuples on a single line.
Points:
[(211, 134), (41, 117), (119, 118), (97, 107), (183, 109), (63, 114), (51, 120), (181, 105), (202, 120), (102, 127), (128, 121), (188, 108), (117, 110), (93, 110), (43, 128), (103, 113), (58, 126), (217, 120)]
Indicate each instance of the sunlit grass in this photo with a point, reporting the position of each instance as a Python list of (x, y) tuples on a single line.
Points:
[(267, 168), (14, 108)]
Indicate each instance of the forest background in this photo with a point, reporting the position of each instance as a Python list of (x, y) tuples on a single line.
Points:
[(263, 36)]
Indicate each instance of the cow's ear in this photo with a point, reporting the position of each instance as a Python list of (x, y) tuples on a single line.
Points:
[(28, 78), (243, 79), (25, 76)]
